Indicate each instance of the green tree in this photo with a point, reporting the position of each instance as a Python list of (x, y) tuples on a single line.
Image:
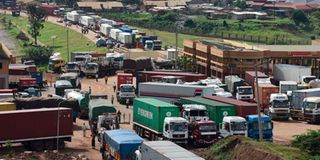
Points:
[(315, 21), (299, 17), (36, 17), (70, 3), (190, 23), (39, 54), (225, 24), (309, 142), (186, 64), (241, 4)]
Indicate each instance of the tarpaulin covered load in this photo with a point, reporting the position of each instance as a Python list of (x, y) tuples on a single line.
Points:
[(99, 106), (46, 102), (124, 142)]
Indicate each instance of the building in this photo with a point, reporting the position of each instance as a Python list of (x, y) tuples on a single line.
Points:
[(5, 58), (114, 6), (149, 4), (223, 57)]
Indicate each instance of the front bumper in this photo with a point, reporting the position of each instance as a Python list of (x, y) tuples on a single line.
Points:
[(312, 117)]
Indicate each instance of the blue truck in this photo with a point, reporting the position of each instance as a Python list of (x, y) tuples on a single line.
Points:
[(253, 127), (119, 144)]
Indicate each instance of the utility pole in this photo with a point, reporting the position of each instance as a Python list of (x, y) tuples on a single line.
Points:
[(175, 65), (68, 44)]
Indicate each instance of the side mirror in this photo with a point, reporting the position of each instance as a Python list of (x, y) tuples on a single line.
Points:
[(220, 125)]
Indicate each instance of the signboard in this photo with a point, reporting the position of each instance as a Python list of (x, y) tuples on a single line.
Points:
[(301, 54)]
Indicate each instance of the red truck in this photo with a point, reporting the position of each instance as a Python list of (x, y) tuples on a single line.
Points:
[(242, 108), (36, 129), (265, 90), (203, 133), (25, 83), (125, 88), (251, 75)]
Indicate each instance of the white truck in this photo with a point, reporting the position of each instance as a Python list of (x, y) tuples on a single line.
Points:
[(73, 17), (237, 87), (126, 91), (125, 38), (163, 150), (114, 34), (90, 69), (169, 92), (297, 73), (87, 22), (311, 109), (194, 112), (105, 29), (279, 106), (233, 125)]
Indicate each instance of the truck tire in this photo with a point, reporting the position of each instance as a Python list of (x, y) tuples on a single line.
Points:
[(49, 144), (37, 145)]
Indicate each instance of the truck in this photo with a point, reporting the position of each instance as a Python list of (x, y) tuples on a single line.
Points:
[(87, 21), (25, 83), (83, 101), (285, 86), (253, 127), (105, 29), (90, 69), (265, 90), (39, 129), (288, 72), (125, 88), (156, 119), (56, 62), (250, 77), (125, 38), (311, 109), (114, 33), (216, 110), (233, 125), (170, 92), (119, 144), (146, 76), (242, 108), (61, 85), (135, 65), (279, 106), (73, 17), (73, 78), (163, 150), (296, 104), (238, 88)]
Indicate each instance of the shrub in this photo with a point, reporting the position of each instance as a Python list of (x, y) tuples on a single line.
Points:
[(309, 142), (39, 54)]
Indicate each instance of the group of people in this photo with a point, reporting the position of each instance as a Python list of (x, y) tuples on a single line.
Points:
[(85, 30)]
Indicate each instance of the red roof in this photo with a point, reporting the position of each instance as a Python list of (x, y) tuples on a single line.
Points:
[(289, 5)]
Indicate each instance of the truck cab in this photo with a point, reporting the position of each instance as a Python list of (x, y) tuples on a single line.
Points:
[(175, 129), (244, 93), (311, 109), (233, 125), (253, 127), (61, 85), (55, 64), (279, 106), (194, 112), (72, 67), (203, 133), (73, 78), (126, 91), (305, 82), (90, 69)]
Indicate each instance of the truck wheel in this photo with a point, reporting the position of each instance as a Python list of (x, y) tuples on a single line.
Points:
[(37, 145), (49, 144)]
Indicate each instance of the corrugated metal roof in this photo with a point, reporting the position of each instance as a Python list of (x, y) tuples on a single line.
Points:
[(284, 48), (98, 5), (170, 3)]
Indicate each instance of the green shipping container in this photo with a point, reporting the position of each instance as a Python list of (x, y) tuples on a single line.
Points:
[(150, 113), (217, 110), (98, 107)]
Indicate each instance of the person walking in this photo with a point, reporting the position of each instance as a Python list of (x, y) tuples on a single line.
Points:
[(84, 128), (114, 87), (90, 90), (112, 99), (97, 76), (119, 115), (127, 102), (105, 79)]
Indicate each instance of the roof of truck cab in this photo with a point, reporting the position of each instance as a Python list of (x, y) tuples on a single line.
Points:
[(255, 117), (312, 99), (70, 74), (155, 102), (234, 119)]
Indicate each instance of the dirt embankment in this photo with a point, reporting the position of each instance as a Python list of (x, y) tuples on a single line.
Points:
[(241, 148)]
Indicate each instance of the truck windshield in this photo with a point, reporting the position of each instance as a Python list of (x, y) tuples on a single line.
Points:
[(265, 125), (127, 89), (207, 128), (238, 126), (311, 105), (308, 79), (280, 104), (201, 113), (179, 127), (243, 91), (54, 61), (91, 66), (71, 66)]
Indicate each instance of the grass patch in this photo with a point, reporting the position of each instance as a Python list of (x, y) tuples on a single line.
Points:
[(77, 42)]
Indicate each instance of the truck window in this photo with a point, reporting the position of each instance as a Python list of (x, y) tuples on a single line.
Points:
[(226, 126), (207, 128), (179, 127), (240, 126), (166, 127)]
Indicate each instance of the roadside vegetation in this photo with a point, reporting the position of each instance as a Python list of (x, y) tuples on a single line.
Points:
[(278, 31), (77, 42)]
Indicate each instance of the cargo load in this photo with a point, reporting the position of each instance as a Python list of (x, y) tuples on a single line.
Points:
[(250, 77), (265, 90), (287, 72)]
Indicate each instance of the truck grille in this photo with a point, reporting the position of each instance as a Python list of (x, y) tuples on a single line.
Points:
[(282, 111), (178, 136)]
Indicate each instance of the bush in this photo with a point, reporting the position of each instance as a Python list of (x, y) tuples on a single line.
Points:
[(39, 54), (309, 142)]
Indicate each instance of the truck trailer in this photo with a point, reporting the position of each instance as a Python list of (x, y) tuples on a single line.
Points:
[(73, 17), (39, 128), (287, 72), (155, 119), (105, 29), (265, 90), (171, 92), (250, 77), (164, 150)]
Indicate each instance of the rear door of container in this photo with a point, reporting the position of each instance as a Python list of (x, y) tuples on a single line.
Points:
[(223, 111)]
